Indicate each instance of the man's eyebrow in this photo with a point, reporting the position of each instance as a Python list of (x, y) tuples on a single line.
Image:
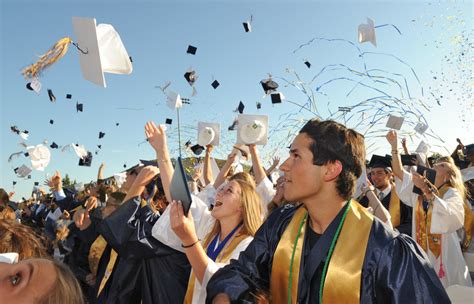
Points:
[(293, 150)]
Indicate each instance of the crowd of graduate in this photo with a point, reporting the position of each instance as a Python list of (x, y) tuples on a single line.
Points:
[(332, 228)]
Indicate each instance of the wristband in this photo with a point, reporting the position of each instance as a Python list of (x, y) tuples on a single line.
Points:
[(191, 245)]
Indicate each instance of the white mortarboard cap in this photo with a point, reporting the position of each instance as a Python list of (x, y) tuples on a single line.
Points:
[(174, 100), (79, 187), (105, 52), (120, 178), (40, 156), (367, 32), (252, 129), (208, 133), (23, 171), (423, 148), (80, 150), (242, 151), (421, 128), (395, 122), (34, 85), (24, 135)]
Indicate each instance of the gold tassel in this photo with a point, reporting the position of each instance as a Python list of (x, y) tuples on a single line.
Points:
[(50, 57)]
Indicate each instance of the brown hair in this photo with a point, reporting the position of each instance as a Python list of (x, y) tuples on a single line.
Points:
[(66, 288), (251, 211), (331, 142), (22, 239)]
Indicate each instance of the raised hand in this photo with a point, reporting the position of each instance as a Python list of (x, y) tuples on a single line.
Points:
[(276, 161), (392, 139), (156, 136), (182, 225), (197, 173), (146, 175)]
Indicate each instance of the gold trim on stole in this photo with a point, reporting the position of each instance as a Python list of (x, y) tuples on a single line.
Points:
[(394, 208), (223, 257), (343, 279)]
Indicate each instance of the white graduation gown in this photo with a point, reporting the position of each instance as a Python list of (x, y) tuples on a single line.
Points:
[(447, 217)]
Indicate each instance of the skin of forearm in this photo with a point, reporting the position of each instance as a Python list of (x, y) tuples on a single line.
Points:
[(257, 166), (397, 165), (198, 259), (166, 170), (379, 210), (207, 170), (222, 174)]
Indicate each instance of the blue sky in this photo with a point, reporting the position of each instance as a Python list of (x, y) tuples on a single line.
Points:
[(156, 35)]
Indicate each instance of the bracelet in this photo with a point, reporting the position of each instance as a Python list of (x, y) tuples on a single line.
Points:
[(164, 160), (394, 151), (189, 246)]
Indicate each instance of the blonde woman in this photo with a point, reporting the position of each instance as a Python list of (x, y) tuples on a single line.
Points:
[(227, 229), (437, 214)]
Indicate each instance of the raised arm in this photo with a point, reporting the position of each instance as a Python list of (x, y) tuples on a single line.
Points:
[(157, 138), (208, 177), (221, 177), (144, 177), (100, 174), (258, 170), (396, 161), (404, 146), (276, 161), (379, 210)]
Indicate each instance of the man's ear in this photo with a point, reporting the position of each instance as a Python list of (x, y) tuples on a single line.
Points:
[(332, 170)]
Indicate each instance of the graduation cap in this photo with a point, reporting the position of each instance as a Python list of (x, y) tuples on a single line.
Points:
[(378, 161), (188, 144), (367, 32), (259, 105), (68, 96), (86, 161), (22, 171), (252, 129), (247, 26), (14, 183), (130, 57), (234, 125), (174, 100), (101, 135), (408, 159), (53, 145), (190, 76), (269, 85), (179, 190), (208, 133), (52, 98), (51, 121), (145, 163), (215, 84), (168, 121), (307, 63), (197, 149), (34, 85), (395, 122), (191, 50), (99, 146), (276, 97), (240, 107), (117, 124), (36, 183), (421, 128), (79, 107), (99, 47), (26, 154), (15, 129)]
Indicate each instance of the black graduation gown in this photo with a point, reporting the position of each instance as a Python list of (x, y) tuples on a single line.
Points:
[(405, 213), (146, 270), (395, 269)]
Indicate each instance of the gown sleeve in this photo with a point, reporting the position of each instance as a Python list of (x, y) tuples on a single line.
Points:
[(448, 212), (404, 275), (404, 189)]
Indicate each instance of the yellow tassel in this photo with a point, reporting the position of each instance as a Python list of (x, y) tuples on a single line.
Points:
[(50, 57)]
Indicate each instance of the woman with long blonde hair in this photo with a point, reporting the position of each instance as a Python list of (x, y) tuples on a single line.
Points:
[(437, 214), (210, 239)]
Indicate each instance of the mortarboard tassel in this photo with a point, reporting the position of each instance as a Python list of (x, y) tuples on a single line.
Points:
[(56, 52), (441, 273)]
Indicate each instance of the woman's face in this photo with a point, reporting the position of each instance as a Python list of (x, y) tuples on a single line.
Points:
[(442, 172), (27, 281), (227, 201)]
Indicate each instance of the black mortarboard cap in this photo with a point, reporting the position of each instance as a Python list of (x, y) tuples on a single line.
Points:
[(276, 98), (53, 145), (79, 107), (197, 149), (246, 26), (378, 161), (99, 146), (215, 84), (233, 126), (408, 159), (269, 85), (117, 124), (52, 98), (68, 96), (187, 144), (307, 63), (51, 121), (168, 121), (15, 129), (191, 50), (16, 170), (28, 86), (26, 154), (190, 77), (86, 161), (101, 134), (36, 183), (259, 105), (130, 57), (241, 107), (14, 183)]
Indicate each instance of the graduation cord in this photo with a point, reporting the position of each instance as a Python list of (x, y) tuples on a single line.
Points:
[(331, 250)]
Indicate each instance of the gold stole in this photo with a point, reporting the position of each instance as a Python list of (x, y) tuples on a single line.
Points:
[(423, 225), (343, 279), (223, 257), (95, 253), (394, 208), (468, 226)]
